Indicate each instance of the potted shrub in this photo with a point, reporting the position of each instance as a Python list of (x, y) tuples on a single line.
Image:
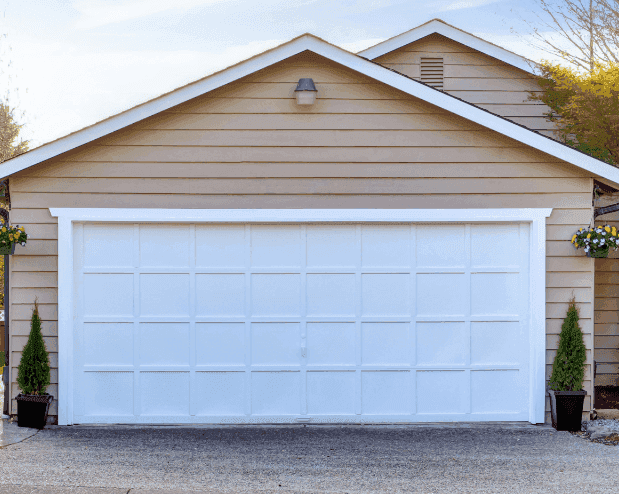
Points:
[(597, 241), (33, 378), (9, 236), (568, 371)]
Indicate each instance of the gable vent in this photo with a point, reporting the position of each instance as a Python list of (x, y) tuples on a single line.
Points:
[(432, 72)]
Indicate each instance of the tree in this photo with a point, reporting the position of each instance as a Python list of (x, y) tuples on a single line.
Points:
[(584, 107), (33, 376), (580, 32), (568, 369), (9, 133)]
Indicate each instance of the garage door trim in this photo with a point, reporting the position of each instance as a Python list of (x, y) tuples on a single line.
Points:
[(537, 293)]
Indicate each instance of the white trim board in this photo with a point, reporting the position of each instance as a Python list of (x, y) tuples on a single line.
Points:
[(314, 44), (439, 26), (537, 284)]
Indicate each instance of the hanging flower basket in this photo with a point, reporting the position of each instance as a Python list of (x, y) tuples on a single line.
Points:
[(9, 237), (597, 241)]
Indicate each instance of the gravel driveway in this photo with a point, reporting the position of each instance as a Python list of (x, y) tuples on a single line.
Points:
[(351, 459)]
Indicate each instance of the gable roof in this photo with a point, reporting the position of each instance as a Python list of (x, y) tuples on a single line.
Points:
[(308, 42), (440, 27)]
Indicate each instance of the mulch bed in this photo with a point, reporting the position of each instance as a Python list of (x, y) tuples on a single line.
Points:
[(606, 397)]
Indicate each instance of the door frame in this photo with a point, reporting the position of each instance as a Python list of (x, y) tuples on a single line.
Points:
[(536, 217)]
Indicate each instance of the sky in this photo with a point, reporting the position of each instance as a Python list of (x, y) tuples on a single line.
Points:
[(67, 64)]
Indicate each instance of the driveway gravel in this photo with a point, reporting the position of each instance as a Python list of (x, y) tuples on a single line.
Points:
[(476, 458)]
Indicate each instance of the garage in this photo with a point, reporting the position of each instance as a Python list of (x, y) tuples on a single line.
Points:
[(296, 321)]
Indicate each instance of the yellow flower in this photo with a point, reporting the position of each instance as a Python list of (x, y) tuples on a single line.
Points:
[(21, 228), (573, 238), (588, 235), (607, 228), (10, 237), (576, 245), (3, 229), (18, 234), (614, 231)]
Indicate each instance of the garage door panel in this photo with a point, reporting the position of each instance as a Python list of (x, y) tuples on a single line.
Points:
[(385, 344), (220, 343), (107, 344), (164, 246), (495, 245), (385, 294), (496, 391), (276, 393), (164, 344), (441, 294), (441, 391), (164, 393), (276, 295), (107, 394), (279, 322), (332, 246), (385, 393), (385, 246), (220, 294), (108, 245), (220, 246), (442, 343), (276, 246), (331, 295), (331, 393), (440, 246), (275, 344), (218, 393), (495, 293), (108, 294), (164, 294), (331, 343), (496, 342)]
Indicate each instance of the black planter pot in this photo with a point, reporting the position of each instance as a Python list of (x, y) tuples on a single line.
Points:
[(566, 409), (32, 410)]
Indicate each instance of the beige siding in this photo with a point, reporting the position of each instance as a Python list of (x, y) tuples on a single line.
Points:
[(251, 147), (476, 78), (607, 308)]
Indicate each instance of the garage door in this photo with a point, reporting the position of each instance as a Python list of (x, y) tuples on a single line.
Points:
[(246, 323)]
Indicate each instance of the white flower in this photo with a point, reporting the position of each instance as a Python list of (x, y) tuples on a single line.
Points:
[(595, 240), (23, 243), (604, 233)]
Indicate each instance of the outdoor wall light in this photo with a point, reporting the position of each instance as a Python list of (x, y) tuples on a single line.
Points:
[(305, 92)]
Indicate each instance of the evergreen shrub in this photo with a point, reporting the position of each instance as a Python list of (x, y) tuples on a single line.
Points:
[(33, 374), (568, 369)]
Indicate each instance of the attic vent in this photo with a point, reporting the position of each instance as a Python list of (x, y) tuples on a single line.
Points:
[(432, 72)]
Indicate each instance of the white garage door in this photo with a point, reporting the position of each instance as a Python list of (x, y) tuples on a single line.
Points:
[(283, 323)]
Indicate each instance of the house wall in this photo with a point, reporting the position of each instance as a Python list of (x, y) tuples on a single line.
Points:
[(606, 326), (476, 78), (248, 145)]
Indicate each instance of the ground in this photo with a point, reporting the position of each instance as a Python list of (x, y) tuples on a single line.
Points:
[(446, 458)]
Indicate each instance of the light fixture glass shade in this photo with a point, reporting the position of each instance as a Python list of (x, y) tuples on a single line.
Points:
[(306, 97), (305, 92)]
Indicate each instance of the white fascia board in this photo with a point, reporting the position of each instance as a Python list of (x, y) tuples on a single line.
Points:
[(338, 55), (297, 215), (453, 33)]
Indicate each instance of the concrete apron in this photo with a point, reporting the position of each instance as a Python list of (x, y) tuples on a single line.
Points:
[(10, 433)]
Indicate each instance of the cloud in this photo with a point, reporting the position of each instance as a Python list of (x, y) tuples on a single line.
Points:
[(95, 13), (465, 4), (357, 46)]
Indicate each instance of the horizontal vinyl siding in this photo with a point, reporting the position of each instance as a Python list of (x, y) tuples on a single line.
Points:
[(476, 78), (400, 153), (607, 309)]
